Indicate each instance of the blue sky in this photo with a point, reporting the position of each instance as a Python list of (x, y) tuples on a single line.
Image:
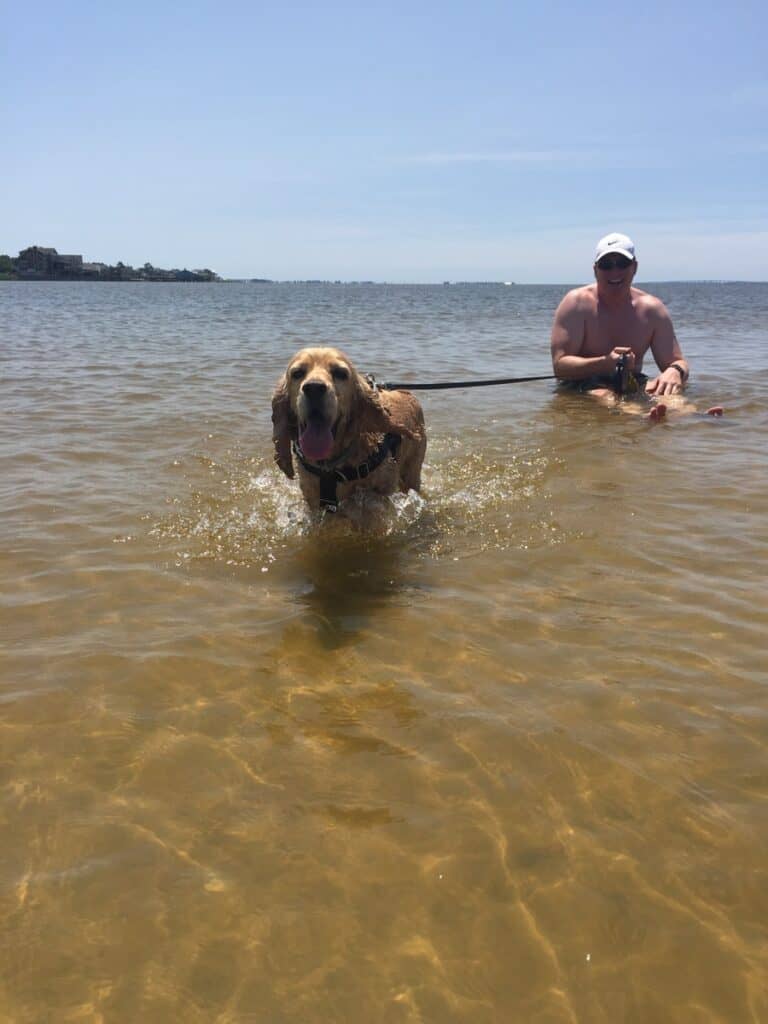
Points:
[(398, 142)]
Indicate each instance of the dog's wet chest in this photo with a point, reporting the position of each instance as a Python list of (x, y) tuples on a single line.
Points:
[(385, 479)]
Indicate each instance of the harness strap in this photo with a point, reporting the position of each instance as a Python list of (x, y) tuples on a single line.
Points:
[(331, 477)]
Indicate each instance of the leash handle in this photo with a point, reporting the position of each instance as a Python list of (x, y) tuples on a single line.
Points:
[(621, 374)]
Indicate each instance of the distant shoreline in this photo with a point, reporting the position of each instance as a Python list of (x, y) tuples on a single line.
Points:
[(38, 279), (44, 263), (34, 278)]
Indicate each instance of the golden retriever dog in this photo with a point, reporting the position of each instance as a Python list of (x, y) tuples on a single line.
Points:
[(344, 433)]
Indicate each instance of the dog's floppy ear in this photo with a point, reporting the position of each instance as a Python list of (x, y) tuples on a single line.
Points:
[(284, 428), (379, 414)]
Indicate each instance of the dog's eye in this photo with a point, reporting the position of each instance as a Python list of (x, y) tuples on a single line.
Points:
[(298, 373), (340, 373)]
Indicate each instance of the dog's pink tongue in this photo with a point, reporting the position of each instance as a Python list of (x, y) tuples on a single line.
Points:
[(316, 441)]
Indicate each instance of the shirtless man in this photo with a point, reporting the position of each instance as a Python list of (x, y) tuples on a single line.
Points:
[(598, 324)]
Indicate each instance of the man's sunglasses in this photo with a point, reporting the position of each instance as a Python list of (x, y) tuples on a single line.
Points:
[(614, 263)]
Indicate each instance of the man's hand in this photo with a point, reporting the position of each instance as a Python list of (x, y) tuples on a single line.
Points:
[(667, 383), (615, 355)]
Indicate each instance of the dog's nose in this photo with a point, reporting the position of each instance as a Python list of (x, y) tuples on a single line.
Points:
[(314, 389)]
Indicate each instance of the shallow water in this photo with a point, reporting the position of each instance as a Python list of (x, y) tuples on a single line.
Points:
[(496, 752)]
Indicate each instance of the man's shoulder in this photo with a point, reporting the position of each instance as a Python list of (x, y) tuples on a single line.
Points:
[(583, 298), (648, 304)]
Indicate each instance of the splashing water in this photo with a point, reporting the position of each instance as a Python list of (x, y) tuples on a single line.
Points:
[(242, 512)]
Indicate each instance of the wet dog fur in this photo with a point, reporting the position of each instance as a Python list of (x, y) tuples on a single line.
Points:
[(337, 417)]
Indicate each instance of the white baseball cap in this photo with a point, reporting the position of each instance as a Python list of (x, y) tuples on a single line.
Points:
[(615, 242)]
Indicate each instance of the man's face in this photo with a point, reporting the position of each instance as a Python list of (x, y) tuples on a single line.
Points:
[(613, 271)]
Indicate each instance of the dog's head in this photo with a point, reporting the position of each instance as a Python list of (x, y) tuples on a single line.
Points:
[(324, 403)]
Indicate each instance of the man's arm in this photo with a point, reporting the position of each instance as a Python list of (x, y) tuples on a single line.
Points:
[(667, 353), (568, 333)]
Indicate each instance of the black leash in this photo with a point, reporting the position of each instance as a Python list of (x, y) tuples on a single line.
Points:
[(623, 381), (389, 386)]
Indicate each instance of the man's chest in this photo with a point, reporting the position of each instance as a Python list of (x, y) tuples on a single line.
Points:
[(605, 330)]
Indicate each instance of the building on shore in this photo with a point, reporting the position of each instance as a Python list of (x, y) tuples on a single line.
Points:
[(42, 263)]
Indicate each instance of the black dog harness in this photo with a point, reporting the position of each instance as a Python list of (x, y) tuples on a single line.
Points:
[(331, 475)]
